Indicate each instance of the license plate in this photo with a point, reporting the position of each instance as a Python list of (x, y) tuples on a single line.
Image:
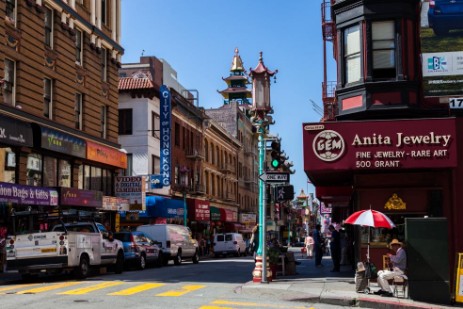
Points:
[(45, 250)]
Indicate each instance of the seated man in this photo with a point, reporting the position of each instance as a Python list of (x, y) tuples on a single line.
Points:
[(399, 263)]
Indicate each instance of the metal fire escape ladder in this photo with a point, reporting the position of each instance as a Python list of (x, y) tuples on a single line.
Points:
[(328, 87)]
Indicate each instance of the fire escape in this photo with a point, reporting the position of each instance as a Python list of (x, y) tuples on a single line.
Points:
[(328, 87)]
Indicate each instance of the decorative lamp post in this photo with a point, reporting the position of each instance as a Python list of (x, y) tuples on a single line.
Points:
[(260, 109), (184, 186)]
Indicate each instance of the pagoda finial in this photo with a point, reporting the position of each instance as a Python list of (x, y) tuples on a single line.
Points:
[(261, 58), (237, 63)]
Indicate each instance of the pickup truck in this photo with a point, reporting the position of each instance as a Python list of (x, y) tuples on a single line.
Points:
[(67, 247)]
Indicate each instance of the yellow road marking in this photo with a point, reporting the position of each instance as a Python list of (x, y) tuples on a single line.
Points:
[(250, 304), (91, 288), (17, 286), (215, 307), (185, 289), (49, 287), (138, 289)]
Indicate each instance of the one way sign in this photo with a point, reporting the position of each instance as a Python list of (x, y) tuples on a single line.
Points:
[(274, 177)]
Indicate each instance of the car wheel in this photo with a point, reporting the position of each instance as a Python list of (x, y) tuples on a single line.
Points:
[(160, 260), (119, 267), (178, 259), (196, 258), (165, 260), (142, 262), (83, 269)]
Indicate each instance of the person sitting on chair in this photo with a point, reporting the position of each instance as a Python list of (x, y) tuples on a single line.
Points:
[(399, 264)]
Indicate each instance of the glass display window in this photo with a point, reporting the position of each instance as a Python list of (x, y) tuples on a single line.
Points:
[(64, 173), (7, 165), (50, 172), (34, 170)]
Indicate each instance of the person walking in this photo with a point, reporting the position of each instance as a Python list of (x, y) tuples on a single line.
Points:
[(318, 245), (309, 242), (335, 249)]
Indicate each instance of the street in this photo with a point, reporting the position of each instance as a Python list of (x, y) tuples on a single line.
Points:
[(213, 283)]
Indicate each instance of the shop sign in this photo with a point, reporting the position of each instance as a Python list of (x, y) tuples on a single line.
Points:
[(115, 203), (165, 127), (248, 219), (104, 154), (442, 63), (200, 210), (380, 145), (215, 214), (325, 209), (15, 132), (61, 142), (77, 197), (27, 195), (132, 188)]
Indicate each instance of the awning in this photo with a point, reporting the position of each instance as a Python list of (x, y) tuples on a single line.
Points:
[(336, 196), (199, 210), (228, 215), (215, 213), (158, 206), (15, 132)]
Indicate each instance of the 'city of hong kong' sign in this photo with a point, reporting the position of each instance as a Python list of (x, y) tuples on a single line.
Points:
[(165, 127), (355, 145)]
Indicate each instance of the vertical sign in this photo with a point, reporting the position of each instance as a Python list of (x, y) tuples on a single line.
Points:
[(165, 119)]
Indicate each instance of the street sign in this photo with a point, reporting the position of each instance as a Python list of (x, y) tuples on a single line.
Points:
[(274, 177)]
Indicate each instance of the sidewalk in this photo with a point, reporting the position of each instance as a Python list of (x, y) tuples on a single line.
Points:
[(319, 285)]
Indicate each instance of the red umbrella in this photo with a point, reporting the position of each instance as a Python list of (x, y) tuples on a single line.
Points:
[(371, 218)]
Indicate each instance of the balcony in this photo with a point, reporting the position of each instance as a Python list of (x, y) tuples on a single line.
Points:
[(198, 189), (227, 168), (195, 154)]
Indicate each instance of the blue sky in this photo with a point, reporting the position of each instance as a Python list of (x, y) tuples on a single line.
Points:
[(198, 39)]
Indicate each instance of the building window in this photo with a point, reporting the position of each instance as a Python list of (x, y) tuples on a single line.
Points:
[(10, 11), (48, 27), (8, 156), (156, 165), (64, 173), (78, 111), (104, 121), (155, 125), (104, 12), (125, 121), (352, 54), (384, 49), (177, 135), (9, 83), (50, 172), (104, 65), (129, 170), (48, 98), (79, 46)]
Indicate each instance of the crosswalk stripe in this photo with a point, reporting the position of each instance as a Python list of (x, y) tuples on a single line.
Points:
[(49, 287), (17, 286), (91, 288), (185, 289), (138, 289)]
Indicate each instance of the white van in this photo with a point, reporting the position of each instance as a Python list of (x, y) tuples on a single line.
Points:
[(175, 241), (229, 243)]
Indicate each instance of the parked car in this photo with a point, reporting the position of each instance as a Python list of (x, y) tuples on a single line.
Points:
[(175, 242), (229, 243), (139, 250), (445, 15)]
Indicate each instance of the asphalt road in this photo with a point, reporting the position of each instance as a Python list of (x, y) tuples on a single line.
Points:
[(213, 283)]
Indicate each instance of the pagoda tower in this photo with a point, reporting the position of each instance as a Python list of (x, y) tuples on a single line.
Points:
[(237, 84)]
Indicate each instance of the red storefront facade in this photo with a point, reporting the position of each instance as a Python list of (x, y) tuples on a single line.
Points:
[(405, 168)]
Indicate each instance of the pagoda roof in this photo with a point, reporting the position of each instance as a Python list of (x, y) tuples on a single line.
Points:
[(237, 90), (236, 77), (237, 63), (261, 68)]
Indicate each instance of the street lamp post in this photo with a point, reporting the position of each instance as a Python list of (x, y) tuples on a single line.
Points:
[(260, 109)]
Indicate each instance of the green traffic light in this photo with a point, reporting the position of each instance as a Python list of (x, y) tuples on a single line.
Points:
[(275, 163)]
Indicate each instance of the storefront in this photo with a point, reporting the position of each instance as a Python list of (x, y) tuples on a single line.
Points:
[(407, 169)]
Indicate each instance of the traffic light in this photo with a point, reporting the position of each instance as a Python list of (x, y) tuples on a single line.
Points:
[(276, 155), (283, 193)]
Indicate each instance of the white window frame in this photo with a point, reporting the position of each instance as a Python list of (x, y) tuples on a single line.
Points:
[(78, 109), (79, 45), (12, 16), (9, 82), (352, 54), (49, 26), (48, 98)]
